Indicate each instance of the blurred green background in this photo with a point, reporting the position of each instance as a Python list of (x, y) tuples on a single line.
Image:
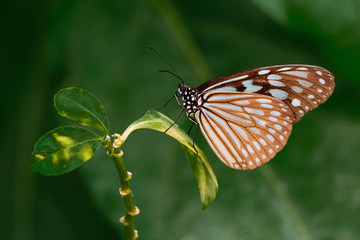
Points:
[(311, 190)]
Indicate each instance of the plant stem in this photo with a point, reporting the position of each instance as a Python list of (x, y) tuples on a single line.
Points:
[(131, 210)]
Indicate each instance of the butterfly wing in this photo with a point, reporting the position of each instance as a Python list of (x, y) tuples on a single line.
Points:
[(301, 87), (245, 130)]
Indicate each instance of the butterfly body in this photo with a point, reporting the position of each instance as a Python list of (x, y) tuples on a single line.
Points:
[(247, 117), (190, 100)]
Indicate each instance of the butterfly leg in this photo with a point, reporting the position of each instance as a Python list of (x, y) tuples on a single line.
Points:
[(182, 111), (190, 129), (197, 130), (176, 96), (164, 104)]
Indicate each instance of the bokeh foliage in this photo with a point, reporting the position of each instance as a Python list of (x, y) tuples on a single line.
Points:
[(311, 190)]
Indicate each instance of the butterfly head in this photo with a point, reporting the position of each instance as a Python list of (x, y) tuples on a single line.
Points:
[(182, 88)]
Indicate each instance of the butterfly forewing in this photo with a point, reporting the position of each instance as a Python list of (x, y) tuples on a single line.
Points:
[(301, 87), (245, 130)]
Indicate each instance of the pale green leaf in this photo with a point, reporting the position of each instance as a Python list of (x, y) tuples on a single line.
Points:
[(83, 107), (63, 149), (203, 172)]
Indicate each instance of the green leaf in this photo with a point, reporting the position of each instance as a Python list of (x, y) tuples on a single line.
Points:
[(83, 107), (63, 149), (206, 179)]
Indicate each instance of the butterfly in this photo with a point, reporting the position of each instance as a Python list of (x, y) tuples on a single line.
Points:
[(247, 117)]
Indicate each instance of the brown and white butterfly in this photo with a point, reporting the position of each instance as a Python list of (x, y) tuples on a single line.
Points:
[(247, 117)]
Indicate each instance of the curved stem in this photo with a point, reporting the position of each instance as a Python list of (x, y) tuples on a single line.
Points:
[(114, 151)]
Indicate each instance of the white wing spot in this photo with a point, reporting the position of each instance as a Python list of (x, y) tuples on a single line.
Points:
[(267, 105), (276, 83), (302, 68), (279, 94), (231, 116), (297, 89), (230, 80), (306, 107), (250, 87), (257, 159), (287, 117), (213, 98), (271, 138), (227, 89), (284, 69), (262, 72), (250, 149), (244, 152), (244, 165), (262, 141), (305, 83), (271, 151), (263, 156), (273, 119), (311, 96), (238, 78), (255, 130), (255, 111), (322, 81), (296, 102), (301, 111), (274, 77), (275, 113), (250, 163), (319, 90), (243, 102), (277, 126), (256, 145), (240, 131), (318, 73), (284, 109), (277, 146), (298, 74), (285, 123), (281, 137), (260, 122), (272, 131), (264, 100)]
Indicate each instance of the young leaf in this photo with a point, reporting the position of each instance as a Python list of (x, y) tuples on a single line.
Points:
[(82, 107), (203, 172), (63, 149), (206, 179)]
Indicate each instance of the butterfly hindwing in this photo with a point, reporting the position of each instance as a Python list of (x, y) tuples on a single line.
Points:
[(301, 87), (245, 130)]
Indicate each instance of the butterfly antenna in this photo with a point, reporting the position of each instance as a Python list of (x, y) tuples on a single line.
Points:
[(176, 73), (167, 71)]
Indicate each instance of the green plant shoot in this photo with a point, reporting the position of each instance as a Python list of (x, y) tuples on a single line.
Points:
[(66, 148)]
